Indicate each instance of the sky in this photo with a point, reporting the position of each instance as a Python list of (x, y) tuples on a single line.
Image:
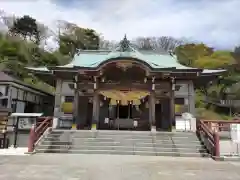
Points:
[(214, 22)]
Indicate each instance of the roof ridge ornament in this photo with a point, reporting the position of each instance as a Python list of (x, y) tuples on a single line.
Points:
[(125, 45)]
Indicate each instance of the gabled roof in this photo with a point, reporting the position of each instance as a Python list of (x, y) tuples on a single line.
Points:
[(93, 58)]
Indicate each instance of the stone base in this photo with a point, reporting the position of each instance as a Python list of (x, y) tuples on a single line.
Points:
[(74, 126), (94, 127), (153, 129), (55, 123), (193, 123)]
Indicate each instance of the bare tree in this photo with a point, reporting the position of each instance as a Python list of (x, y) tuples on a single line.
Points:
[(163, 43), (7, 20), (44, 33), (144, 43), (107, 44), (65, 27)]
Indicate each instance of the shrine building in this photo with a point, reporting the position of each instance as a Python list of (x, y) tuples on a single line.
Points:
[(124, 89)]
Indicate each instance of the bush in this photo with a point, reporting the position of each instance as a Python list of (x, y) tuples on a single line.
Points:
[(203, 113)]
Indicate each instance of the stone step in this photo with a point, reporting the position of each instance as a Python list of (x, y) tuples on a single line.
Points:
[(158, 143), (123, 148), (122, 142), (167, 143), (51, 139), (137, 138), (148, 149), (116, 152), (116, 133), (129, 141), (140, 144), (130, 135)]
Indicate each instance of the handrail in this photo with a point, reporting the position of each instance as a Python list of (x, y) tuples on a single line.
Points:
[(43, 126), (221, 125), (222, 121), (37, 130), (209, 133), (210, 138)]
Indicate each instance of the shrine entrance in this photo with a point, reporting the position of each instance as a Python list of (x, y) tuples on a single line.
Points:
[(124, 110), (124, 94)]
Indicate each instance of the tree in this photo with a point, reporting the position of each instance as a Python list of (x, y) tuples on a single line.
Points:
[(44, 33), (163, 43), (26, 27), (73, 38), (236, 55), (13, 57), (144, 43), (218, 59), (187, 54)]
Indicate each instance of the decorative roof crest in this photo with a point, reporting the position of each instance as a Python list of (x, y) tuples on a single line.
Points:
[(124, 44)]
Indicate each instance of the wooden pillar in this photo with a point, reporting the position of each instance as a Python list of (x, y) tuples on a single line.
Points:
[(191, 98), (191, 105), (150, 110), (172, 105), (96, 105), (76, 120), (152, 101), (57, 103), (75, 109), (96, 109)]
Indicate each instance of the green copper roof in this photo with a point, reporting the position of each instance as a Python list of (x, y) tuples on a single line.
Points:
[(91, 59)]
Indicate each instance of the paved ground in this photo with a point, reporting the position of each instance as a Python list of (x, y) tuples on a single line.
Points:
[(111, 167), (13, 151)]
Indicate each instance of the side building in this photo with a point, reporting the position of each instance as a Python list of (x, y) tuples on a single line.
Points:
[(19, 97), (23, 98)]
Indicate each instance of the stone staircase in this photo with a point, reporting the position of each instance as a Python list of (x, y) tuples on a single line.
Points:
[(122, 142)]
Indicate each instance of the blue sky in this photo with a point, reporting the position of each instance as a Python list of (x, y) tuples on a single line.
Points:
[(214, 22)]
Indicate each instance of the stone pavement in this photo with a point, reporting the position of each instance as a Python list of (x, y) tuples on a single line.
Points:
[(114, 167), (14, 151)]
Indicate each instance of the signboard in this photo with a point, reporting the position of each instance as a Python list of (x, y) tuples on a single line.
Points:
[(25, 120), (135, 123), (26, 123), (106, 120), (235, 133)]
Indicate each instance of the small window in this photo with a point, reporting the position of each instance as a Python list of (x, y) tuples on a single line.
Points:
[(3, 90), (179, 101), (3, 102), (69, 98)]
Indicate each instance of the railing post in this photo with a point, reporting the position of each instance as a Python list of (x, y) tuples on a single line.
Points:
[(216, 144), (32, 138)]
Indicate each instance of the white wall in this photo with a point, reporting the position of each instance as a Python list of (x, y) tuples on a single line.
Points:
[(66, 90)]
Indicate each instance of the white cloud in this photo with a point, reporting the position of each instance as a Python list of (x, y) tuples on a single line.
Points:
[(216, 22)]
